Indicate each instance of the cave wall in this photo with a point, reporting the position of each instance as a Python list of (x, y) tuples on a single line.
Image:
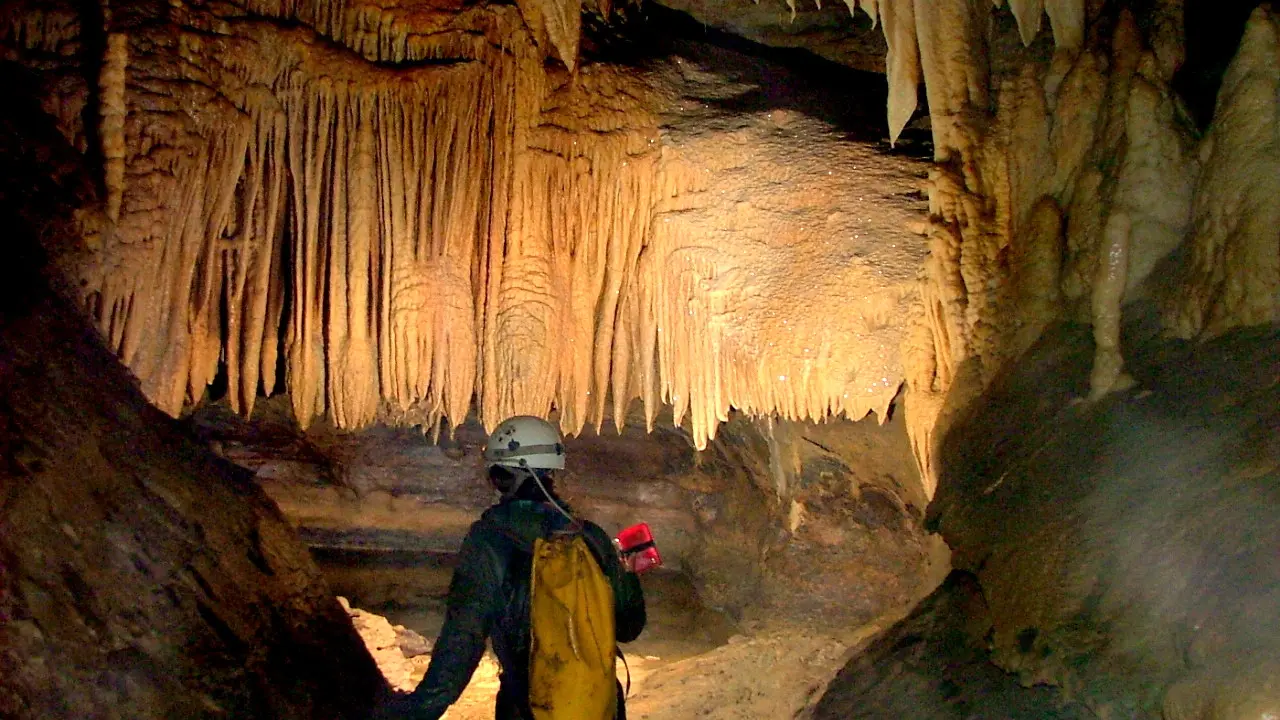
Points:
[(388, 211), (1127, 548), (934, 663), (1113, 558), (812, 523), (140, 575), (392, 489), (391, 219), (776, 522)]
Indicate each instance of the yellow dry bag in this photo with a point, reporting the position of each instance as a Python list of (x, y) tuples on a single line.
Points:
[(572, 643)]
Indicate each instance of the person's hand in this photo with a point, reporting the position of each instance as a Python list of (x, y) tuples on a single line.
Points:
[(626, 559), (399, 706)]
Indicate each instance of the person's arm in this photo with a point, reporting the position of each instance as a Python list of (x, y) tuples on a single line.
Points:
[(628, 597), (474, 596)]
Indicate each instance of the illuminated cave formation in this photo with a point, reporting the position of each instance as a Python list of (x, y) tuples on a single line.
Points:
[(472, 224), (450, 219), (315, 231)]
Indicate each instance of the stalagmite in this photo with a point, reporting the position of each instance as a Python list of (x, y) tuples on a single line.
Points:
[(1157, 178), (111, 110), (1232, 277)]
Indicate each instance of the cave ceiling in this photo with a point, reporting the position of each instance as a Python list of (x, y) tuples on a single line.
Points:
[(389, 208)]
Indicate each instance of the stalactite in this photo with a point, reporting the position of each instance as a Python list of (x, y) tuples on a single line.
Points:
[(1060, 188), (420, 238), (580, 201), (955, 63), (970, 317), (396, 34), (45, 29), (1067, 19), (924, 394), (309, 139), (198, 330), (252, 264), (380, 185), (111, 112), (1029, 14), (897, 18), (907, 39), (558, 23), (384, 299), (464, 231), (870, 7)]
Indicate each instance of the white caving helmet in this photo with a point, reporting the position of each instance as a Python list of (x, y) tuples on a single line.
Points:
[(526, 442)]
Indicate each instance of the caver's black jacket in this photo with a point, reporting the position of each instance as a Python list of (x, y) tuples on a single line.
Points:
[(489, 598)]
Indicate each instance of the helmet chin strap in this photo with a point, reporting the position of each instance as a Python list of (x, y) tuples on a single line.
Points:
[(545, 493)]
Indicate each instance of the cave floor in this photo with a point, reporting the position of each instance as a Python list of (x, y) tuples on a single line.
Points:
[(691, 661)]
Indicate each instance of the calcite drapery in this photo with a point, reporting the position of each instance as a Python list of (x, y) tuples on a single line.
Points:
[(420, 217), (513, 255)]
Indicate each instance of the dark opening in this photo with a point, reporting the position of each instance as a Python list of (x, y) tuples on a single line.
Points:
[(1213, 32)]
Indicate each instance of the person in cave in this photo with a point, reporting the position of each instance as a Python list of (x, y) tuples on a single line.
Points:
[(489, 596)]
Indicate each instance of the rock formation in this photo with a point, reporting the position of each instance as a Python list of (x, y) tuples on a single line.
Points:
[(423, 214), (140, 575), (1126, 548)]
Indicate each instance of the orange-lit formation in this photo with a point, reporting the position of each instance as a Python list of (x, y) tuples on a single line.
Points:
[(416, 214)]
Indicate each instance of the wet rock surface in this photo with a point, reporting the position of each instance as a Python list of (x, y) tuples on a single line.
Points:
[(1115, 558), (1125, 549)]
